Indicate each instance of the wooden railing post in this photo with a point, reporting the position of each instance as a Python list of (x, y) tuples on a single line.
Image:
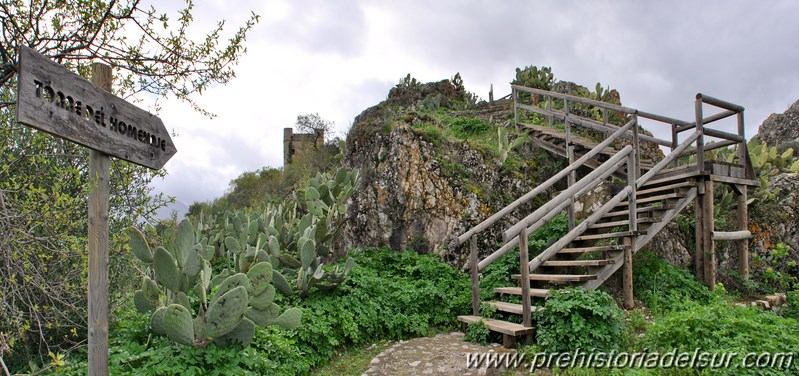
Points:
[(743, 209), (570, 155), (700, 142), (524, 278), (674, 142), (515, 94), (475, 274), (707, 235), (630, 241)]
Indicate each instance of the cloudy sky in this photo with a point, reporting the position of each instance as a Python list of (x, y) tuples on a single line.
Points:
[(339, 57)]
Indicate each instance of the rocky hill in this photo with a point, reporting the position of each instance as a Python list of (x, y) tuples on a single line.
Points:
[(430, 168), (781, 128)]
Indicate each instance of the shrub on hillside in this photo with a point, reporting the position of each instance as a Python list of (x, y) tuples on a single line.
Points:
[(719, 327), (575, 318)]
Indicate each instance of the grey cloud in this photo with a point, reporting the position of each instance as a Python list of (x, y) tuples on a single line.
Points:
[(335, 27)]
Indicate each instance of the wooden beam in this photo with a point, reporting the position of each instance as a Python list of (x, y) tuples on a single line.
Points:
[(570, 180), (475, 275), (573, 98), (660, 166), (543, 186), (707, 232), (707, 120), (700, 128), (725, 135), (743, 225), (719, 103), (600, 173), (632, 172), (524, 282), (99, 187), (568, 238), (732, 235), (699, 240)]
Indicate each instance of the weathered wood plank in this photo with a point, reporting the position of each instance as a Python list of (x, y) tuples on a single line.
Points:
[(475, 275), (601, 173), (743, 225), (577, 263), (99, 195), (513, 308), (524, 282), (707, 232), (556, 277), (732, 235), (719, 103), (499, 326), (53, 99), (539, 293)]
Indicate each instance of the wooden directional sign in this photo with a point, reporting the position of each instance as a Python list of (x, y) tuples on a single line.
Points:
[(53, 99)]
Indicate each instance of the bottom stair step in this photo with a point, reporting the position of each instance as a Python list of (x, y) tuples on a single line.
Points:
[(512, 307), (558, 277), (540, 293), (500, 326)]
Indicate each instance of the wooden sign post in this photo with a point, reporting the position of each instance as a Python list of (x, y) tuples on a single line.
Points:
[(53, 99)]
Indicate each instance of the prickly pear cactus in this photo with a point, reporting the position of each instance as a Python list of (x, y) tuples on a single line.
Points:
[(227, 305)]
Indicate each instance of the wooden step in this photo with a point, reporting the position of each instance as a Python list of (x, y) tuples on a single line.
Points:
[(577, 263), (641, 221), (557, 277), (609, 235), (604, 248), (538, 293), (639, 210), (512, 307), (646, 200), (500, 326), (647, 190)]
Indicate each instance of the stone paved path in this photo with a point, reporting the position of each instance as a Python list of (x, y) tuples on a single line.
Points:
[(443, 354)]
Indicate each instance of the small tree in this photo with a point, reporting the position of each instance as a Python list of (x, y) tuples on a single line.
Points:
[(314, 124)]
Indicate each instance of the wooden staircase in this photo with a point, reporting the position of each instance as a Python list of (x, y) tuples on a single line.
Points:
[(650, 197)]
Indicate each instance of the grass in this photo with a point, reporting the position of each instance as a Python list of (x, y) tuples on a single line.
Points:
[(352, 361)]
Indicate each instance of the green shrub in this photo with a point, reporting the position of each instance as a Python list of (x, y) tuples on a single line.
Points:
[(575, 318), (477, 332), (662, 286), (132, 351), (792, 308), (720, 327), (388, 295), (466, 127)]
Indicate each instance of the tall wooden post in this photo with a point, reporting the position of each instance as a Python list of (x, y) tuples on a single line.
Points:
[(743, 209), (630, 242), (99, 172), (570, 156), (743, 225), (524, 278), (699, 255), (475, 274), (707, 236)]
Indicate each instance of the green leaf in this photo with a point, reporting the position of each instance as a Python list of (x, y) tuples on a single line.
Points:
[(166, 269)]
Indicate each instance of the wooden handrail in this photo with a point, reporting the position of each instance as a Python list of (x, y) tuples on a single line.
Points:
[(535, 226), (669, 158), (601, 172), (588, 123), (573, 98), (544, 186), (707, 120), (719, 103), (568, 238)]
